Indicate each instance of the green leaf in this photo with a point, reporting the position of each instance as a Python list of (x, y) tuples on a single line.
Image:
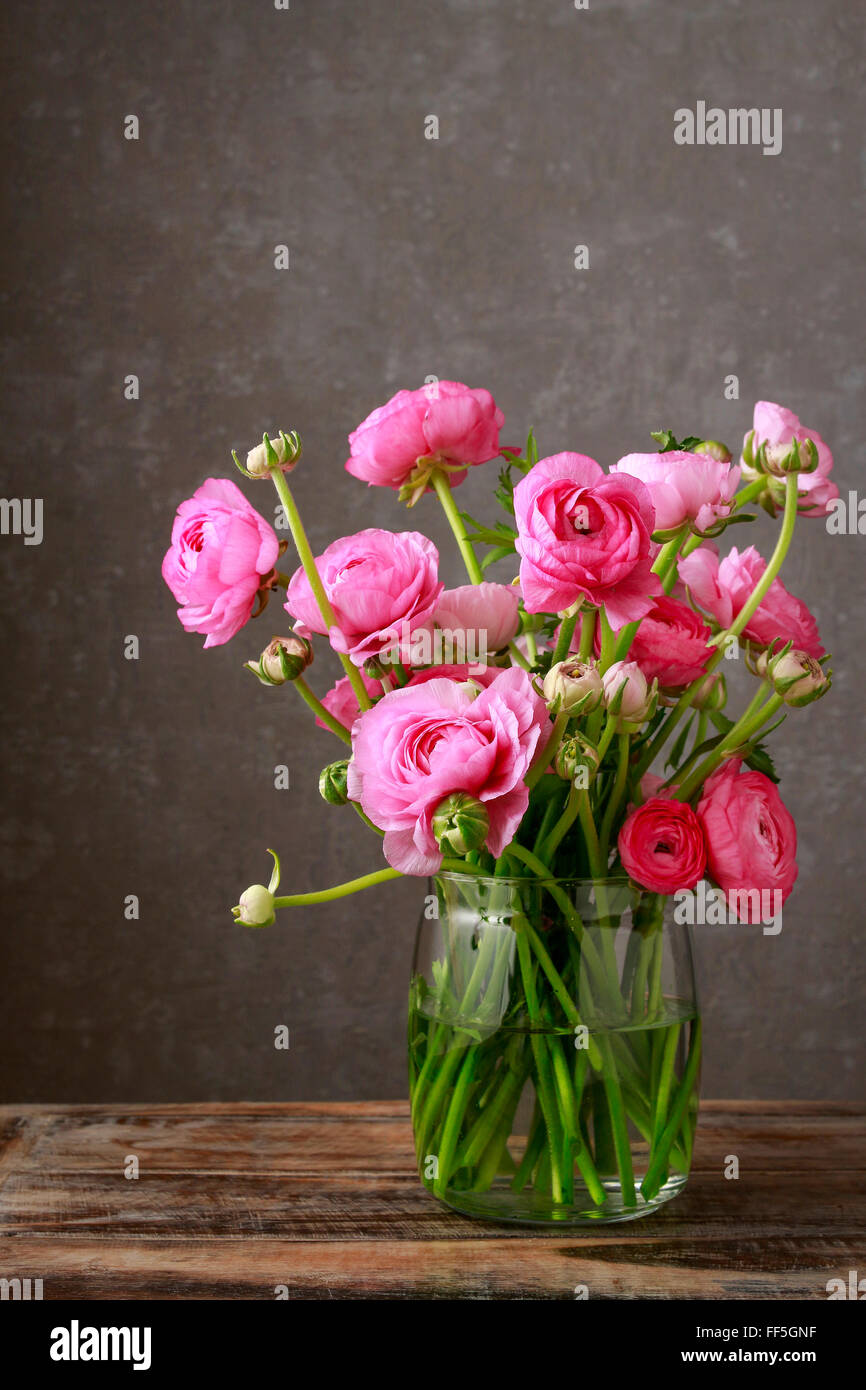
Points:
[(667, 441), (759, 760), (499, 553)]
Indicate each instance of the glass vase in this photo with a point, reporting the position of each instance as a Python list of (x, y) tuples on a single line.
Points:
[(554, 1049)]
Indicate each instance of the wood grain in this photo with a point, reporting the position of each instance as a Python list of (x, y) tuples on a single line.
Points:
[(233, 1200)]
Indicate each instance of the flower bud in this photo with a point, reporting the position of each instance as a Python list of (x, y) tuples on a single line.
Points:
[(799, 456), (711, 693), (460, 824), (797, 677), (281, 453), (576, 760), (714, 450), (332, 783), (627, 694), (375, 669), (256, 907), (283, 659), (576, 685)]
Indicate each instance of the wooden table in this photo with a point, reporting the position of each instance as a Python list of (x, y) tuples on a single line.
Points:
[(232, 1201)]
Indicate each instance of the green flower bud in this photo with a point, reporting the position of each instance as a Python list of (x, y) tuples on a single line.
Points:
[(375, 669), (714, 450), (798, 678), (283, 659), (256, 907), (711, 693), (281, 454), (576, 760), (574, 686), (777, 460), (332, 783), (460, 824)]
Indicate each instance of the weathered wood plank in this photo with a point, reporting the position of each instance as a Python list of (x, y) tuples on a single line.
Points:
[(348, 1139), (517, 1268), (233, 1200), (302, 1208)]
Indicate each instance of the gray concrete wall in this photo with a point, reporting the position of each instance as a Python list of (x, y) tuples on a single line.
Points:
[(408, 257)]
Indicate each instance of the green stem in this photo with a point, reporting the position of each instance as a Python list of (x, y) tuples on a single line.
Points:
[(658, 1160), (563, 641), (742, 732), (775, 563), (307, 559), (616, 795), (340, 890), (543, 759), (608, 644), (587, 634), (550, 844), (453, 1121), (319, 710), (449, 507), (665, 565), (746, 612), (544, 1087), (517, 655)]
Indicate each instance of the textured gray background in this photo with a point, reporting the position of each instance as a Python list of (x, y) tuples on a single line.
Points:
[(408, 257)]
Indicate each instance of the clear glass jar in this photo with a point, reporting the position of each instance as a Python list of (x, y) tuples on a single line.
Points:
[(554, 1049)]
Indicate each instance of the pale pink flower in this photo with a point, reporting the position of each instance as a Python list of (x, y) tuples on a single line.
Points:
[(637, 697), (683, 487), (774, 424), (481, 618)]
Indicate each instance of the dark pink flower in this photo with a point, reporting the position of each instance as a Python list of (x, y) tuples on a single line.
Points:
[(723, 588), (661, 845), (671, 643), (443, 422), (584, 535), (382, 586), (751, 839)]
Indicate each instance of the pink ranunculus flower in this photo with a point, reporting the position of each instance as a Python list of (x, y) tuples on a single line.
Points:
[(481, 618), (460, 671), (722, 589), (751, 840), (773, 424), (661, 845), (683, 487), (445, 422), (421, 743), (582, 534), (671, 644), (220, 551), (342, 702), (382, 586)]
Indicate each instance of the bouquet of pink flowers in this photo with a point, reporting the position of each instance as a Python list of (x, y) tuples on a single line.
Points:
[(567, 726)]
